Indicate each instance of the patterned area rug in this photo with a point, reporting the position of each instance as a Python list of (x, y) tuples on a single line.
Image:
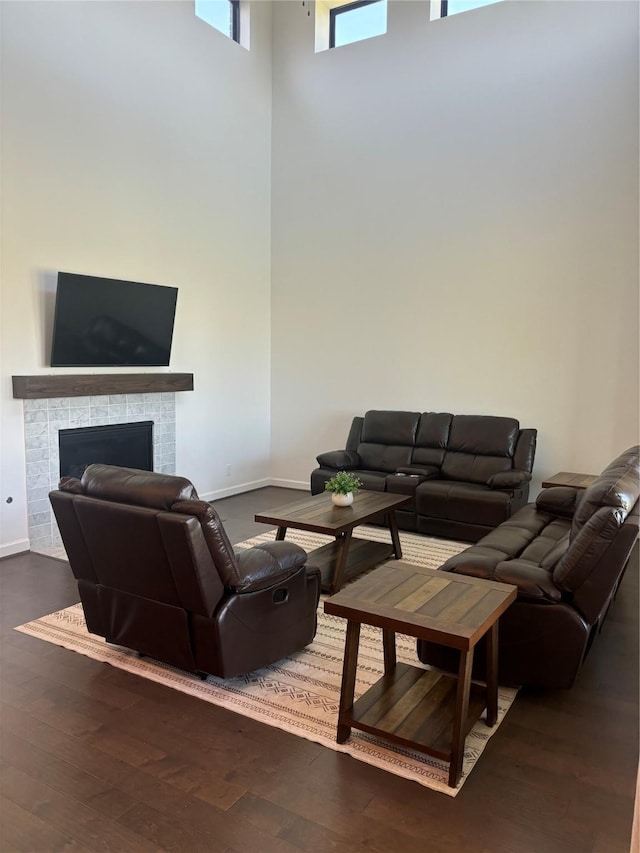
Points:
[(299, 694)]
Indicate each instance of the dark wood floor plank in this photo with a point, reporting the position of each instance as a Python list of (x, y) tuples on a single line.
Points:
[(99, 756), (545, 763), (200, 828), (64, 777), (67, 815), (23, 831)]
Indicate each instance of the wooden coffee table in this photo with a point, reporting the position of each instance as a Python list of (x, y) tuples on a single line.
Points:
[(346, 557), (423, 709)]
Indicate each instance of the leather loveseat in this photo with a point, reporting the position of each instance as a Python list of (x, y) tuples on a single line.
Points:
[(566, 553), (156, 573), (466, 473)]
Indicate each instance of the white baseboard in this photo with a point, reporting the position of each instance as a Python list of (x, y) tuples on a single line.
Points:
[(291, 484), (14, 548), (252, 486)]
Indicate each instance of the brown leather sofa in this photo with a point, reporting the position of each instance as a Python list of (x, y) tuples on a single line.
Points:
[(156, 573), (465, 473), (566, 553)]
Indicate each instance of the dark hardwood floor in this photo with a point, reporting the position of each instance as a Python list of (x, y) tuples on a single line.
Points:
[(97, 759)]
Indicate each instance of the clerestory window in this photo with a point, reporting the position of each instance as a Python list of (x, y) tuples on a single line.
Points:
[(453, 7), (351, 22), (224, 15)]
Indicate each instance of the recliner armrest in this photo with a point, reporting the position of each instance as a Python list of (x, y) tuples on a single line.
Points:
[(508, 479), (267, 564), (534, 583), (341, 460)]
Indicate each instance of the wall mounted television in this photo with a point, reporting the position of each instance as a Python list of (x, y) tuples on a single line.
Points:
[(105, 322)]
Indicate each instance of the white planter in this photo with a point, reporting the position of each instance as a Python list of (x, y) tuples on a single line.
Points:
[(342, 500)]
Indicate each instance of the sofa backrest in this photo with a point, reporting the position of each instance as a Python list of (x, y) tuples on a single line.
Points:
[(602, 511), (479, 446), (617, 487), (431, 438), (387, 440)]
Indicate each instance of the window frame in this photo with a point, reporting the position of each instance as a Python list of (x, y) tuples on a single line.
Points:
[(338, 10), (235, 20)]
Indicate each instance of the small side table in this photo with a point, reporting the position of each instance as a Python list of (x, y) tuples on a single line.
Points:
[(569, 478), (424, 709)]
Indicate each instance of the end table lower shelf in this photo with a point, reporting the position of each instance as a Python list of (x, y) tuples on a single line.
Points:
[(415, 708)]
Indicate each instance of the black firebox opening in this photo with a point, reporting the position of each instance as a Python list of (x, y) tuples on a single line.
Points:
[(129, 445)]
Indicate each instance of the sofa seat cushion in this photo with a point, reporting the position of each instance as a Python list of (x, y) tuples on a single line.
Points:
[(522, 551), (461, 501)]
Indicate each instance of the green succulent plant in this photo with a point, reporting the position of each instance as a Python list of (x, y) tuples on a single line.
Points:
[(342, 483)]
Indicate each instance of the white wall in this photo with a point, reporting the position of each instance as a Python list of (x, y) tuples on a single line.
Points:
[(457, 200), (136, 145), (455, 227)]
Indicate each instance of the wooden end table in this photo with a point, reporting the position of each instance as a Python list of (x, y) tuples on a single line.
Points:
[(423, 709), (347, 556), (569, 478)]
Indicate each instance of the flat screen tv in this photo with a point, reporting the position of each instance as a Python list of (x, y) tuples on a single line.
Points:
[(105, 322)]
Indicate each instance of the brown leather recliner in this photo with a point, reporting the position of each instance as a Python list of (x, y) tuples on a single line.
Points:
[(156, 573), (566, 553)]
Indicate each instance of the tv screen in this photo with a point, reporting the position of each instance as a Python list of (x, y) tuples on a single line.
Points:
[(104, 322)]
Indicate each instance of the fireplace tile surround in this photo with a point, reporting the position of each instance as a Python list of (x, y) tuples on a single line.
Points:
[(43, 418)]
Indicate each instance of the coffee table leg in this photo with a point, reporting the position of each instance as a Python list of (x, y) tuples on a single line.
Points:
[(281, 534), (460, 719), (341, 561), (395, 536), (389, 649), (347, 690), (492, 674)]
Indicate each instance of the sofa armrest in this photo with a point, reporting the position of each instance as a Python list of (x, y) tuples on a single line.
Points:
[(559, 500), (534, 583), (508, 479), (267, 564), (341, 460)]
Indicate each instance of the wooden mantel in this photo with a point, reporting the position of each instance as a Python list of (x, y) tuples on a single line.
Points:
[(96, 384)]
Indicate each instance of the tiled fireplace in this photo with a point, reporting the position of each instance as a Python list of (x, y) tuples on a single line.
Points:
[(43, 418)]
